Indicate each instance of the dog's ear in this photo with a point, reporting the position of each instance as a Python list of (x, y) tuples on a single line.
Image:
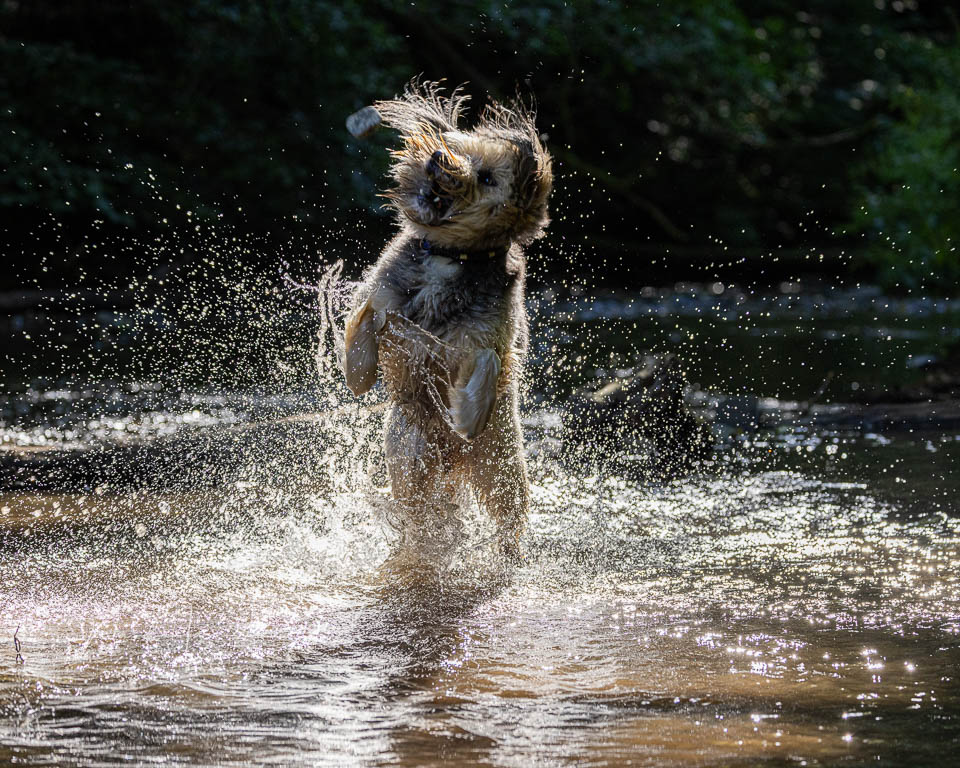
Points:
[(534, 173), (533, 183), (533, 170), (423, 108)]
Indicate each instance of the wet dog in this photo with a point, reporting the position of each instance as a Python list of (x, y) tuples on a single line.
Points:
[(441, 314)]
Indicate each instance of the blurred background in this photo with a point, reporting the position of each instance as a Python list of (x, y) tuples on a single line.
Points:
[(777, 138)]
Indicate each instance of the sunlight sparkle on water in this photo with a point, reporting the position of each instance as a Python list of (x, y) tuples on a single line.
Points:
[(785, 604)]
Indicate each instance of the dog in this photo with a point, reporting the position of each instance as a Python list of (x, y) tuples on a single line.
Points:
[(441, 314)]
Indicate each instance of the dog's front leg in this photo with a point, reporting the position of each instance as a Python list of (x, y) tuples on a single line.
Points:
[(361, 353), (474, 393)]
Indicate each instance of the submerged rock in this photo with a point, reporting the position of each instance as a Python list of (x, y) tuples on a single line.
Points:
[(640, 422), (938, 379)]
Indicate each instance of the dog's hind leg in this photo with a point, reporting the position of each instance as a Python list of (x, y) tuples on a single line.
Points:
[(498, 475), (420, 483)]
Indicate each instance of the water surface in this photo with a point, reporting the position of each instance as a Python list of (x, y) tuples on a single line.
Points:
[(793, 602)]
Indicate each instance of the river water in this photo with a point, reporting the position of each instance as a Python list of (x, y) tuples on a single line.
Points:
[(793, 602)]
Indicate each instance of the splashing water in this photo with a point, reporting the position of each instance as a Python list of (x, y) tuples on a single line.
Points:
[(195, 515)]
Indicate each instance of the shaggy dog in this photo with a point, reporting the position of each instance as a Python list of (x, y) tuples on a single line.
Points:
[(442, 314)]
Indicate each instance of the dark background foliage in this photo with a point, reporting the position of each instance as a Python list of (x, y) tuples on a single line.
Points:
[(744, 127)]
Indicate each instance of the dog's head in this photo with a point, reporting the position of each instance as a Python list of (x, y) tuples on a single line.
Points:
[(478, 188)]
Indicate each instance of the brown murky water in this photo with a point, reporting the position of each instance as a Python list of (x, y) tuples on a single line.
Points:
[(762, 615), (796, 604)]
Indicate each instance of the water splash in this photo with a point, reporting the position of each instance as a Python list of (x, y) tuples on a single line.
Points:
[(207, 576)]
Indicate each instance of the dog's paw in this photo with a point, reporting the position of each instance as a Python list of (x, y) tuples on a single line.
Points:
[(472, 404), (361, 354)]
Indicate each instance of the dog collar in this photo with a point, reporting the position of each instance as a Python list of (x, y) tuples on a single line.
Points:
[(427, 248)]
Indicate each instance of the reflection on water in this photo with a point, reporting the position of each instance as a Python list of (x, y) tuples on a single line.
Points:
[(795, 603), (717, 621)]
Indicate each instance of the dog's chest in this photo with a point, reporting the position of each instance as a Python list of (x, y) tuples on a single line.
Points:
[(443, 292)]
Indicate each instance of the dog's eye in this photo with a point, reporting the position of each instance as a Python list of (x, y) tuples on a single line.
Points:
[(486, 178)]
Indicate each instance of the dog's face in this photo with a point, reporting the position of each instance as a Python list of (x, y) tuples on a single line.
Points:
[(481, 188)]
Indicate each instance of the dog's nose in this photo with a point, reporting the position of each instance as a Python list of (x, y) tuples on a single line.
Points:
[(437, 163), (444, 171)]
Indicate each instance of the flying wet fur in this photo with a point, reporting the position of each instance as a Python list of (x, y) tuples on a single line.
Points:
[(441, 314)]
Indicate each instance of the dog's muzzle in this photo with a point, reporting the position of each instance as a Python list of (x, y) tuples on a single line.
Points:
[(436, 201), (443, 171)]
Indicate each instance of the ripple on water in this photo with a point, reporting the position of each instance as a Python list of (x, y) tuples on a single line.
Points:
[(725, 619)]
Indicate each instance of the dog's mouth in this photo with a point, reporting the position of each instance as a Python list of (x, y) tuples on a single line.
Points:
[(434, 204), (440, 188)]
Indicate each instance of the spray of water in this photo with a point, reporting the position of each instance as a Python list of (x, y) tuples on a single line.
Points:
[(195, 521)]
